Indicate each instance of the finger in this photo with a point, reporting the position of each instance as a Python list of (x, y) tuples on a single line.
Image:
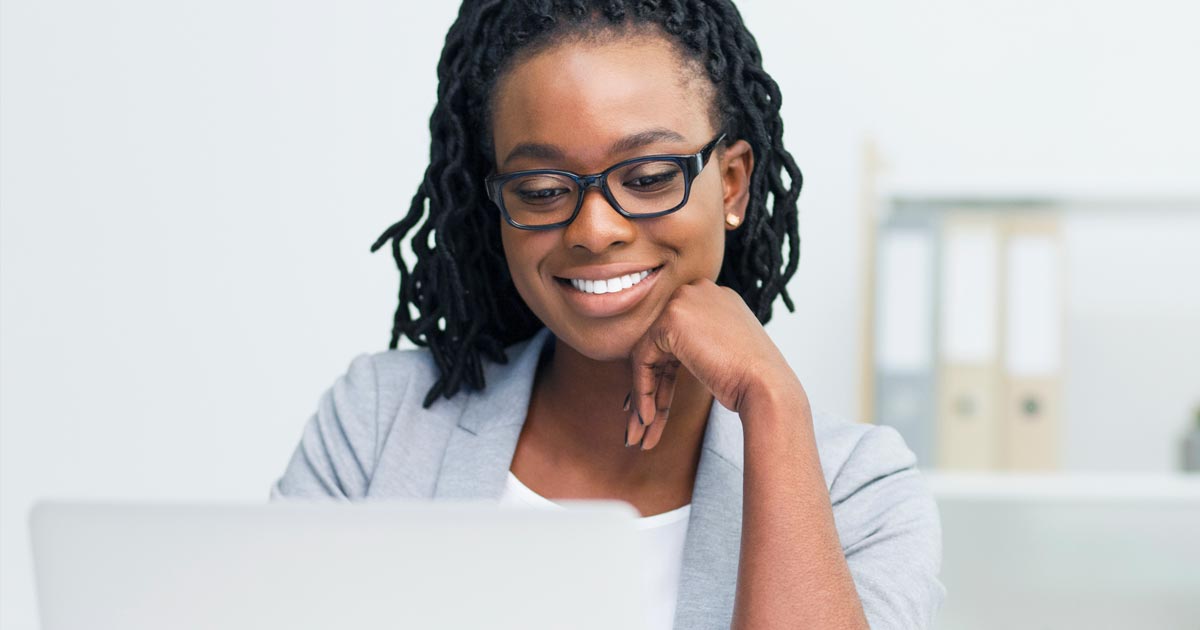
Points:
[(663, 397), (634, 430), (645, 383), (665, 389), (654, 434), (647, 360)]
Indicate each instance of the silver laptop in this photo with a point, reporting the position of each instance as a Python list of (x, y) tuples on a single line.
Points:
[(363, 566)]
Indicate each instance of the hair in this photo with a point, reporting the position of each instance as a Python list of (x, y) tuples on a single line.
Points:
[(459, 299)]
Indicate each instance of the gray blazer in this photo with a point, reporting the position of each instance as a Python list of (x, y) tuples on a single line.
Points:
[(371, 439)]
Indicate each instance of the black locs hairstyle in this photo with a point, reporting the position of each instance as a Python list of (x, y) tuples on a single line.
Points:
[(459, 299)]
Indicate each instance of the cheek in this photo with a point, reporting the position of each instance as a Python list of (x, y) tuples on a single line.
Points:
[(507, 242), (696, 242), (715, 249), (521, 251), (512, 253), (704, 246)]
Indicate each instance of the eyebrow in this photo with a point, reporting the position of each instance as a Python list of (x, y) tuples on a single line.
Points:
[(628, 143)]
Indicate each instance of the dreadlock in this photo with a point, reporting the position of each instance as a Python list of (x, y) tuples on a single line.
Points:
[(459, 299)]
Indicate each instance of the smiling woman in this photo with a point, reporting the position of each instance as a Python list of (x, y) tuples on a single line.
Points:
[(609, 201)]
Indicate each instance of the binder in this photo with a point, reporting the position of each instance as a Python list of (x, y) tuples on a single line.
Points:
[(1034, 284), (969, 387), (904, 320)]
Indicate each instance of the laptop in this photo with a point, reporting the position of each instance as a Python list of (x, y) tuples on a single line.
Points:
[(136, 566)]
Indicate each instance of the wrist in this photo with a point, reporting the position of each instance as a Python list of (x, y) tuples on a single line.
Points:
[(773, 402)]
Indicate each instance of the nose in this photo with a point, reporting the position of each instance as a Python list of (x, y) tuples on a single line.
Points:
[(598, 226)]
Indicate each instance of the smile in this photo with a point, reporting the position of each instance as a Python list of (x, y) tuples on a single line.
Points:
[(607, 297), (611, 285)]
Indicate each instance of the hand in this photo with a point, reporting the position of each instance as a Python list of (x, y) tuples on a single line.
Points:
[(709, 330)]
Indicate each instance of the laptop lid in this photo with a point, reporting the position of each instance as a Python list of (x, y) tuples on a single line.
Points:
[(324, 565)]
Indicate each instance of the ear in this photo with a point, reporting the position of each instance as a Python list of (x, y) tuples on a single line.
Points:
[(737, 163)]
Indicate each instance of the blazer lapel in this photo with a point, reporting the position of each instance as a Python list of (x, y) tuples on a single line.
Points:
[(481, 447), (708, 579)]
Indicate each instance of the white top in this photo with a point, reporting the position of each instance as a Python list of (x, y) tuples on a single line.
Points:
[(663, 535)]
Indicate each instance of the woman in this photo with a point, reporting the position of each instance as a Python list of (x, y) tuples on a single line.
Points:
[(606, 219)]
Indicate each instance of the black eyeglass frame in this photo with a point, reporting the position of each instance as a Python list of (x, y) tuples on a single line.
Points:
[(691, 165)]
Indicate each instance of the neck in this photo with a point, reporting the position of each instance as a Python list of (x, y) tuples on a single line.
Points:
[(576, 413)]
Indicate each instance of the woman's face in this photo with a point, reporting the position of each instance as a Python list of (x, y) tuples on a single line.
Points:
[(572, 107)]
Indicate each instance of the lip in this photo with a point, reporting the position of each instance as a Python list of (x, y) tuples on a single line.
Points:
[(604, 272), (606, 304)]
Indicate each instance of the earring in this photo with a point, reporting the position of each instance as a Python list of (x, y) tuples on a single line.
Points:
[(732, 220)]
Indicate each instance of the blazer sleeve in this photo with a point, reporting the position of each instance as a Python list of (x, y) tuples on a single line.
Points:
[(336, 455), (890, 532)]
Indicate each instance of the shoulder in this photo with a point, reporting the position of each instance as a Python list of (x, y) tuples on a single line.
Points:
[(341, 444), (394, 384), (376, 384), (398, 382), (402, 378), (852, 450), (874, 480), (887, 521)]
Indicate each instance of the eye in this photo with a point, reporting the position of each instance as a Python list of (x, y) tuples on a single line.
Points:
[(541, 194), (652, 177), (651, 182), (538, 190)]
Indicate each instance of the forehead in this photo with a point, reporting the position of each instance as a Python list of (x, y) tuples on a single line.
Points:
[(583, 96)]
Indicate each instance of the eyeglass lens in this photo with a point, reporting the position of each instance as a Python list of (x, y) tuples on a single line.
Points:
[(638, 188)]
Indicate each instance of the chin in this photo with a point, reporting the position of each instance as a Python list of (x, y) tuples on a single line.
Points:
[(604, 353), (599, 344)]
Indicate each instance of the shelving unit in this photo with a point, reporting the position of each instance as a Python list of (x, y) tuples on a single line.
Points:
[(1065, 486), (1112, 387)]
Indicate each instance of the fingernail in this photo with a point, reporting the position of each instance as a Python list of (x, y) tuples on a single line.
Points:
[(639, 413), (625, 406), (627, 444)]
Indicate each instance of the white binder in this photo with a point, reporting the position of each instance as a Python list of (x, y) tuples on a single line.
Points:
[(1034, 290), (968, 418)]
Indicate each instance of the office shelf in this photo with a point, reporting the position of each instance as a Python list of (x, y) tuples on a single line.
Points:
[(1054, 486)]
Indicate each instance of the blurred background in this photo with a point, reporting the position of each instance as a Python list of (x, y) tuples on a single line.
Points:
[(1000, 224)]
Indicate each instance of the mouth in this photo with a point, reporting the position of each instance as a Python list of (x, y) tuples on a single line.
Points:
[(609, 285), (606, 296)]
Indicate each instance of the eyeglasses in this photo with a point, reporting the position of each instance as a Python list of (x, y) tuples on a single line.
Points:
[(638, 188)]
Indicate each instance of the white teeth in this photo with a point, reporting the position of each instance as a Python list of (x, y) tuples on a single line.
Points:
[(612, 285)]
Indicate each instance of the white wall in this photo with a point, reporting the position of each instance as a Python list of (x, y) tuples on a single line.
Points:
[(189, 190), (1132, 370)]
